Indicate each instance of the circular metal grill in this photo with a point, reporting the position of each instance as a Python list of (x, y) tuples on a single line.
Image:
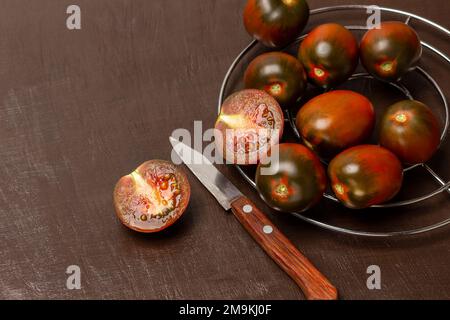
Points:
[(444, 186)]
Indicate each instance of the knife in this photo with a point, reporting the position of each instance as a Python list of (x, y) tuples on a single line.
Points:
[(313, 283)]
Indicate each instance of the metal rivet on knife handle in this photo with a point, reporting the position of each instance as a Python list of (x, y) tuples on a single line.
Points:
[(268, 229)]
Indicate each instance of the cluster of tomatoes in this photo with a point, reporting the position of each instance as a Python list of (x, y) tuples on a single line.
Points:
[(335, 125)]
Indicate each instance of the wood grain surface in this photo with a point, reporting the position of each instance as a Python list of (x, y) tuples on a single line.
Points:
[(81, 108)]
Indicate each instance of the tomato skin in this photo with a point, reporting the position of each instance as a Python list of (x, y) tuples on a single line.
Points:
[(298, 183), (329, 54), (365, 175), (335, 121), (411, 131), (153, 197), (279, 74), (275, 23), (391, 51), (249, 123)]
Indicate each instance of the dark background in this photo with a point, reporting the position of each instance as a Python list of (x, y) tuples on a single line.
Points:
[(80, 109)]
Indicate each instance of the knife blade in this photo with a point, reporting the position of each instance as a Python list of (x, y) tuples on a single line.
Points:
[(314, 284), (221, 188)]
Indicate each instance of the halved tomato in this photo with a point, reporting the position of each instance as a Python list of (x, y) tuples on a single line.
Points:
[(275, 23), (298, 180), (250, 122), (410, 130), (390, 51), (152, 197), (279, 74), (365, 175), (335, 121), (329, 54)]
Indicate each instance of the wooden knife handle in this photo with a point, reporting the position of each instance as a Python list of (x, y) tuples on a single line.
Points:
[(313, 284)]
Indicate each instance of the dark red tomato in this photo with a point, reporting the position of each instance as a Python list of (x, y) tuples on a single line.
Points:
[(297, 182), (329, 54), (365, 175), (250, 122), (391, 51), (276, 23), (279, 74), (152, 197), (411, 131), (335, 121)]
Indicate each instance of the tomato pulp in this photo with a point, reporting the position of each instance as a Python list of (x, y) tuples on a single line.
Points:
[(391, 51), (152, 197), (365, 175), (335, 121), (411, 131), (329, 54), (279, 74), (276, 23), (298, 181), (250, 122)]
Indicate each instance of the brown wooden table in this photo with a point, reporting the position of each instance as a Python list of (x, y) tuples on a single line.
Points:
[(81, 108)]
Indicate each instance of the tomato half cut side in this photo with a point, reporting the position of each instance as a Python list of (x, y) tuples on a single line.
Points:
[(249, 124), (152, 197)]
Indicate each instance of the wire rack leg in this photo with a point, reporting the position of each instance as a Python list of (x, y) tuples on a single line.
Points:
[(436, 176), (408, 20)]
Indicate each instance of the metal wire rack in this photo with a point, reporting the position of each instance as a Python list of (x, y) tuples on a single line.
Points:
[(444, 186)]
